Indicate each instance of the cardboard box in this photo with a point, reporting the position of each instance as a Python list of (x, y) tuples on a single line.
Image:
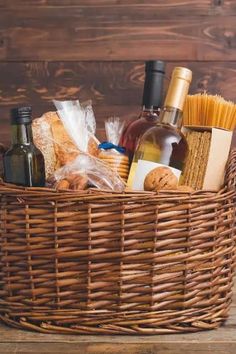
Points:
[(218, 155)]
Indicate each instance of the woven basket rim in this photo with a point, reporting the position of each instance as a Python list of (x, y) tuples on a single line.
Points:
[(39, 195), (9, 187)]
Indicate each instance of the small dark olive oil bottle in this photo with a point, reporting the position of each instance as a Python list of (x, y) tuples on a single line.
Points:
[(23, 162)]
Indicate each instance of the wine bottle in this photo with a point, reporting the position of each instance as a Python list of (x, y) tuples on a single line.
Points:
[(164, 144), (152, 102), (23, 162)]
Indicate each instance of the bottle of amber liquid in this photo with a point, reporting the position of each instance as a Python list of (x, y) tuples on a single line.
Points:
[(23, 162), (164, 145), (152, 102)]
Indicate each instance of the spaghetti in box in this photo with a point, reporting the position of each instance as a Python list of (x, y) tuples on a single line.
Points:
[(218, 154)]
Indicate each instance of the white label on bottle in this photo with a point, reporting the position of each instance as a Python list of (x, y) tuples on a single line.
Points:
[(143, 168)]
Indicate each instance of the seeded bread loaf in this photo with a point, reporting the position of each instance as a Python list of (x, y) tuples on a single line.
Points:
[(43, 139), (56, 145)]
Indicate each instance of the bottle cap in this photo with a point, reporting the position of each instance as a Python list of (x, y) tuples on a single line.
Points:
[(178, 88), (155, 65), (153, 84), (21, 115), (182, 73)]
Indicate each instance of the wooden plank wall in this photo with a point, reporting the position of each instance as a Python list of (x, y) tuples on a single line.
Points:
[(66, 49)]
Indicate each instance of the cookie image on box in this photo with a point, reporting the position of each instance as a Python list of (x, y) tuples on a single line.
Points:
[(160, 178)]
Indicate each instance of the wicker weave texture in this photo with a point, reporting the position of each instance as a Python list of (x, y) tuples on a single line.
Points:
[(117, 263)]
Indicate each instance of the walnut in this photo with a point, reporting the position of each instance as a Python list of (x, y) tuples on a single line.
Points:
[(160, 178), (74, 182), (63, 184)]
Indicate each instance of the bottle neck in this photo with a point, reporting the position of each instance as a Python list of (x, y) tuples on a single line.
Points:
[(172, 111), (171, 116), (22, 134), (153, 90), (178, 89), (150, 114), (152, 110)]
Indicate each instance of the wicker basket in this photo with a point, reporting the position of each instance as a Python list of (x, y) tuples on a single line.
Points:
[(134, 263)]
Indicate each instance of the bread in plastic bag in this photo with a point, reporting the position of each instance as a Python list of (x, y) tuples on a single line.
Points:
[(57, 134), (85, 170)]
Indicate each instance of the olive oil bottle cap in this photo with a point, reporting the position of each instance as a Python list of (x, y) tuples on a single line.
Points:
[(178, 88), (21, 115)]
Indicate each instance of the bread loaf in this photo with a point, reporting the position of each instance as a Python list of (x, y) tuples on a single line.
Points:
[(56, 145), (43, 139)]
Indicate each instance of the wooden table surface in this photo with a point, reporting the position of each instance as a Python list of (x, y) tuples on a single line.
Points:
[(220, 341)]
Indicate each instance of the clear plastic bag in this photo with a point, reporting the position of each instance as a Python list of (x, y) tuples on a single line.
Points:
[(111, 152), (62, 135), (85, 170), (79, 123)]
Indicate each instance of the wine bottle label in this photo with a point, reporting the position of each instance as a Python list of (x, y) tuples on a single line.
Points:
[(144, 167)]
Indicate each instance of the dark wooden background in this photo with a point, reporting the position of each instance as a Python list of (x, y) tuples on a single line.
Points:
[(95, 49)]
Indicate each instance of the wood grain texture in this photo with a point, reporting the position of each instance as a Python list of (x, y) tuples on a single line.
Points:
[(170, 8), (85, 348), (117, 32), (106, 83), (114, 87), (101, 113)]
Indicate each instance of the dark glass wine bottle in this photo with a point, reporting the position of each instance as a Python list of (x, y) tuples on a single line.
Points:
[(152, 102), (23, 162), (164, 144)]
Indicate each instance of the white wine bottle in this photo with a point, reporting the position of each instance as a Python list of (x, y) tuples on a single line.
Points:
[(164, 145)]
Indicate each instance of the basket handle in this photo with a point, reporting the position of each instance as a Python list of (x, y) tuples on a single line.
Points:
[(230, 175)]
